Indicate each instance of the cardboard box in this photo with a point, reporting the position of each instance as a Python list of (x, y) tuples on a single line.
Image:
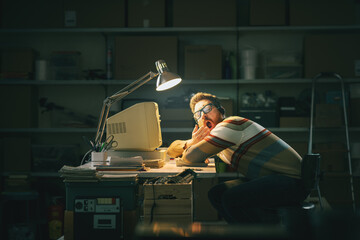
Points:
[(203, 62), (168, 206), (146, 13), (17, 60), (322, 12), (332, 157), (168, 202), (175, 191), (93, 14), (18, 106), (331, 53), (176, 114), (32, 14), (354, 112), (328, 115), (176, 118), (136, 56), (294, 122), (354, 90), (15, 154), (178, 124), (335, 187), (265, 117), (204, 13), (228, 105), (268, 12)]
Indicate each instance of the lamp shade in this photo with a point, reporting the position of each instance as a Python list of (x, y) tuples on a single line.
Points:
[(166, 79)]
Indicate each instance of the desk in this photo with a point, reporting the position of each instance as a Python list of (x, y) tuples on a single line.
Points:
[(127, 190), (109, 187), (170, 168)]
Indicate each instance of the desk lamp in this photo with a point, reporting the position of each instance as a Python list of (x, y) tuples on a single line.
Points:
[(165, 80)]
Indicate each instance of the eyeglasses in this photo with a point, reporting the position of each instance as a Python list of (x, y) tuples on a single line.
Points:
[(206, 109)]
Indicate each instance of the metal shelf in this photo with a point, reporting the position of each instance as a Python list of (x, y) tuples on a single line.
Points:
[(47, 130), (186, 82), (302, 28), (164, 130), (186, 29), (32, 174), (124, 30)]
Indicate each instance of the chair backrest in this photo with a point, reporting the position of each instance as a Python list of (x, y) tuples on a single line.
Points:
[(310, 170)]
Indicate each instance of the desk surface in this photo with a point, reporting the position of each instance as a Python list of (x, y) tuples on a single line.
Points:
[(170, 168)]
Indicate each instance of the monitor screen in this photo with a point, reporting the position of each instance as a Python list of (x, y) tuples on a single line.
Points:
[(136, 128)]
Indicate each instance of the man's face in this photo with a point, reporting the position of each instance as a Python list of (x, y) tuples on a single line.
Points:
[(210, 119)]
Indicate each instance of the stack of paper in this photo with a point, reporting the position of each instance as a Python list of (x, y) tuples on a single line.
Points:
[(112, 176), (79, 174), (123, 164)]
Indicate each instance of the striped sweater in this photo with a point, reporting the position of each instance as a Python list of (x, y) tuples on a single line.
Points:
[(247, 148)]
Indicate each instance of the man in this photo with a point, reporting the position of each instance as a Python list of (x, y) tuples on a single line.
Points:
[(271, 168)]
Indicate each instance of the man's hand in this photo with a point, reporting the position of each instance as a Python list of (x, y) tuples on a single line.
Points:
[(198, 134)]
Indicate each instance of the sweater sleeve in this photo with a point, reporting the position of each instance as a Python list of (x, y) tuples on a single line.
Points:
[(211, 145)]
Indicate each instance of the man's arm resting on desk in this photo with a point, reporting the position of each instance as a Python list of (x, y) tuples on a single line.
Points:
[(200, 152), (177, 148)]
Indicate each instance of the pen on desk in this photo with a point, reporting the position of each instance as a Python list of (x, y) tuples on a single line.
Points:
[(103, 147)]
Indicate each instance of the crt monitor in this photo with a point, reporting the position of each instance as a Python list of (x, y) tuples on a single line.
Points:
[(136, 128)]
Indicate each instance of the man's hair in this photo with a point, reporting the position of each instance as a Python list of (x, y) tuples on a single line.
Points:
[(201, 96)]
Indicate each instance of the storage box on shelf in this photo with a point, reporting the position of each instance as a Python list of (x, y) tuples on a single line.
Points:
[(268, 12), (294, 122), (228, 105), (328, 115), (267, 117), (18, 106), (146, 13), (322, 12), (38, 14), (204, 13), (284, 65), (342, 53), (134, 55), (335, 187), (93, 14), (354, 105), (15, 154), (17, 63), (176, 118), (333, 156), (203, 62), (65, 65)]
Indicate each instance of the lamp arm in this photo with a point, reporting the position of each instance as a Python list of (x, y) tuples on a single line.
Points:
[(116, 97)]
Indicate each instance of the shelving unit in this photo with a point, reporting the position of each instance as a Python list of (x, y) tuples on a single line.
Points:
[(230, 82), (85, 96), (230, 38), (236, 33)]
